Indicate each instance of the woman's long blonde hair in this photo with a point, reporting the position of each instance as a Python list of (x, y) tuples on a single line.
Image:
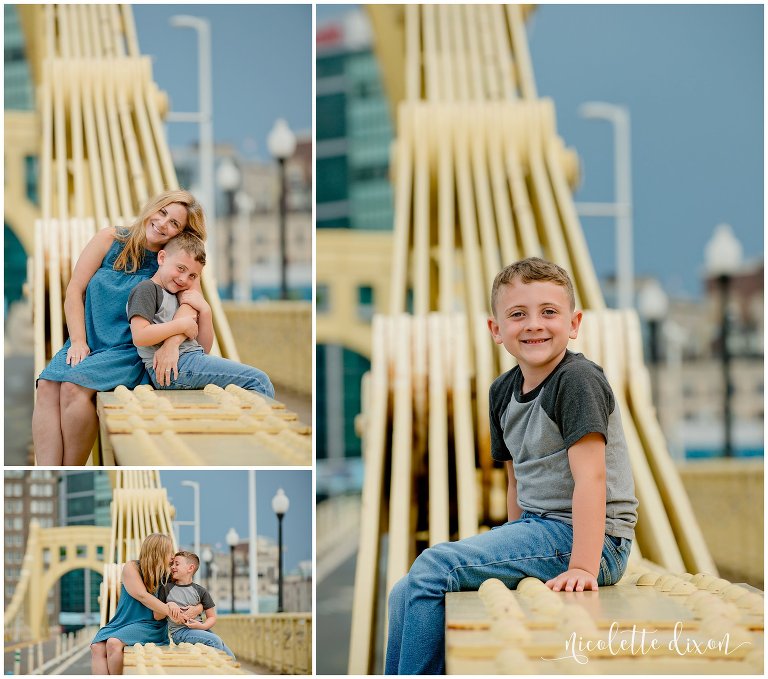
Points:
[(153, 560), (135, 241)]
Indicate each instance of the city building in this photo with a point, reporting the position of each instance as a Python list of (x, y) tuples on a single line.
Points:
[(247, 229), (354, 134), (84, 500), (297, 589), (216, 576), (29, 496), (689, 377), (19, 98), (354, 130)]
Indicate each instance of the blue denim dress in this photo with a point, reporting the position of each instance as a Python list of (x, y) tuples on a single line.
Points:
[(113, 359), (133, 623)]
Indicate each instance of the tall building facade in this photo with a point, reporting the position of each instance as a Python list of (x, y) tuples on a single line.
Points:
[(29, 495), (84, 500), (353, 129), (354, 134), (18, 95)]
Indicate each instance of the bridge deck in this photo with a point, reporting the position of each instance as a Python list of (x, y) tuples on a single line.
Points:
[(486, 638), (178, 659), (199, 427)]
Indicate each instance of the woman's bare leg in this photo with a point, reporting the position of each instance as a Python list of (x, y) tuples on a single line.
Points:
[(79, 423), (115, 655), (99, 658), (46, 424)]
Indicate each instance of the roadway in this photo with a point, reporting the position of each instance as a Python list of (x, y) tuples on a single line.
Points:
[(334, 618)]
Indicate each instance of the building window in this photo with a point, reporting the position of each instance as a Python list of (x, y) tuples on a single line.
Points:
[(14, 490), (322, 301), (365, 303)]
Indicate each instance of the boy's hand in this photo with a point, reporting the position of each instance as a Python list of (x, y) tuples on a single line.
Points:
[(194, 624), (573, 580), (166, 363), (77, 352), (194, 298), (189, 326)]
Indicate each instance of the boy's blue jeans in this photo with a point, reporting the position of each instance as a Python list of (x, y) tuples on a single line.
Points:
[(196, 369), (200, 636), (532, 546)]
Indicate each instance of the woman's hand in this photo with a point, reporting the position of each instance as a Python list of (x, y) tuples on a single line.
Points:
[(166, 363), (175, 612), (77, 352)]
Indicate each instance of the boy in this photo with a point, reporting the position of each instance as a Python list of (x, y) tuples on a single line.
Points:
[(151, 307), (185, 593), (570, 500)]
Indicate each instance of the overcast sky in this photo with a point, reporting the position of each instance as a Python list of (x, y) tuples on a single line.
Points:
[(692, 77), (224, 505), (261, 65)]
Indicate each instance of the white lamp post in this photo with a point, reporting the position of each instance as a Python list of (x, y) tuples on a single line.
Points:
[(280, 506), (621, 208), (232, 540), (195, 486), (282, 143), (723, 258), (204, 117), (253, 552)]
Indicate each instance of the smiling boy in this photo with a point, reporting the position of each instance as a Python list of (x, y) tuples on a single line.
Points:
[(151, 307), (570, 500), (187, 594)]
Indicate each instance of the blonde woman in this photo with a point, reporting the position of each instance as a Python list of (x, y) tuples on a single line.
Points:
[(133, 621), (99, 354)]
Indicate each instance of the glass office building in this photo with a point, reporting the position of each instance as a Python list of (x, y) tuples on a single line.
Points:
[(85, 499)]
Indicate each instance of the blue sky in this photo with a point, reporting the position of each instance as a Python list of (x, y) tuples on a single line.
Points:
[(262, 68), (692, 77), (224, 505)]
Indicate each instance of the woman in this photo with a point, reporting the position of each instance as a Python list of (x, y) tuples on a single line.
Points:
[(133, 622), (99, 354)]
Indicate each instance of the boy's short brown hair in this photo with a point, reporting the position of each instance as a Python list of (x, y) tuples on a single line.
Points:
[(189, 243), (528, 271), (190, 556)]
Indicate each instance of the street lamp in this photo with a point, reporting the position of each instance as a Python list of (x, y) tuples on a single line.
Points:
[(282, 143), (621, 208), (195, 486), (229, 177), (723, 259), (232, 539), (207, 558), (280, 506), (204, 117), (653, 304)]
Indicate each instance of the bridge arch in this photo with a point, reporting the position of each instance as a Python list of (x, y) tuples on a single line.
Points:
[(50, 554)]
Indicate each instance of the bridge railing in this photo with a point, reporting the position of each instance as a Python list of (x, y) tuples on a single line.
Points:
[(281, 642)]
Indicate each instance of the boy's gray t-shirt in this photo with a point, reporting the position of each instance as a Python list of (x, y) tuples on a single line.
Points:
[(149, 300), (184, 595), (536, 429)]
